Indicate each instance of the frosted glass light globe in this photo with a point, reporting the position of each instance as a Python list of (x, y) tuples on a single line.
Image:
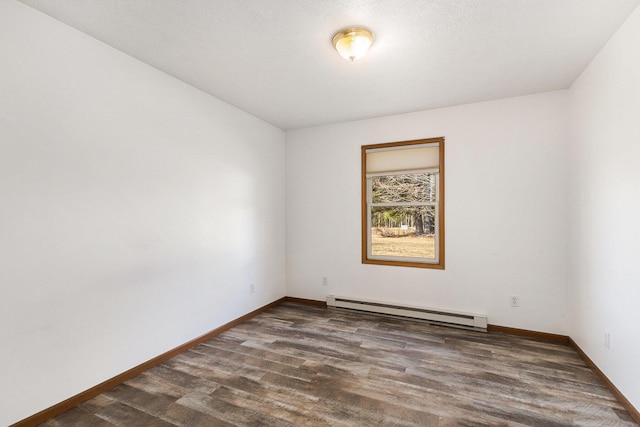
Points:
[(353, 43)]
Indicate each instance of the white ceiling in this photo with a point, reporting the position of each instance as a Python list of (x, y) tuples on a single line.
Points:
[(274, 58)]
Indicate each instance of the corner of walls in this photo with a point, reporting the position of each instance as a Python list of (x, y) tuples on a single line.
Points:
[(604, 205)]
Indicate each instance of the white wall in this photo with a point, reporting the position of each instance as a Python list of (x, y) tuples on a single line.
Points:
[(135, 211), (604, 188), (505, 211)]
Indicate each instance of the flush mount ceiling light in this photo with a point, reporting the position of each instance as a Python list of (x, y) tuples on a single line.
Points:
[(353, 43)]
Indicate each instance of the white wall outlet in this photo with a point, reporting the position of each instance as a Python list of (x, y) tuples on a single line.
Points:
[(252, 288), (325, 281), (607, 340), (514, 301)]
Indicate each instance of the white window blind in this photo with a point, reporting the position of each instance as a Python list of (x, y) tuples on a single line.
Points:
[(394, 159)]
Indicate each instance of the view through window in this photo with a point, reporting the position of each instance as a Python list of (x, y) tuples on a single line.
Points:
[(403, 203)]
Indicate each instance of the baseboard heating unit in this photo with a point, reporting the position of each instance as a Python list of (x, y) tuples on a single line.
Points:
[(475, 322)]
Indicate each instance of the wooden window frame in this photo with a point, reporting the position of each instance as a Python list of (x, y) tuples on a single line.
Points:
[(365, 208)]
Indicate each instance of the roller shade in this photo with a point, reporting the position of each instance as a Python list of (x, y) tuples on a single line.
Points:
[(393, 160)]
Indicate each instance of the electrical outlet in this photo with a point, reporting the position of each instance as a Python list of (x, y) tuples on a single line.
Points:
[(325, 281), (607, 340), (252, 288), (514, 301)]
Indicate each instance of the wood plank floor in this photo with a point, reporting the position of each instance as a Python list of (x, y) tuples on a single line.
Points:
[(297, 365)]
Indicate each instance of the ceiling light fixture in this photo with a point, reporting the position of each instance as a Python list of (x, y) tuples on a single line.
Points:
[(353, 43)]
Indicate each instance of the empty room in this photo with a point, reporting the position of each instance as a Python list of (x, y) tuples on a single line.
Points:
[(309, 213)]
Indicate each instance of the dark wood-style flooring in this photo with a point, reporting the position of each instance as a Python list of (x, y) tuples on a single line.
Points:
[(298, 365)]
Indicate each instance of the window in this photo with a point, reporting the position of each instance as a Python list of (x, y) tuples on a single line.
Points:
[(403, 203)]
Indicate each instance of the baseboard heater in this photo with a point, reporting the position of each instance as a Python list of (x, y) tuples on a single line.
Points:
[(474, 322)]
